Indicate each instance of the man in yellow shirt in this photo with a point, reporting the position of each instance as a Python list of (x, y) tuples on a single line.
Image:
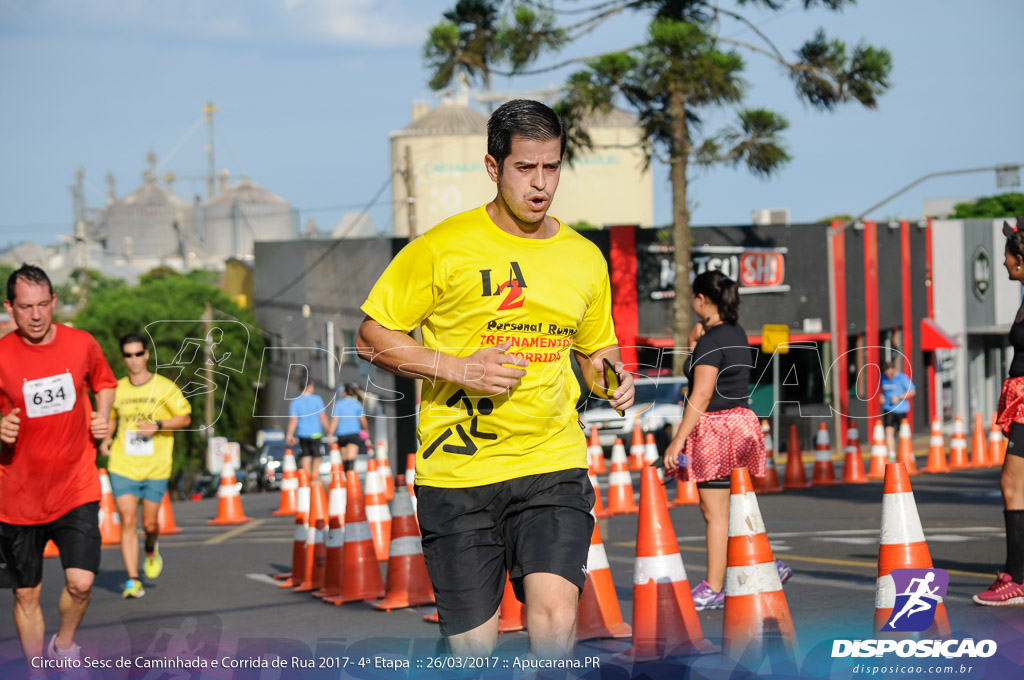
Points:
[(504, 294), (147, 410)]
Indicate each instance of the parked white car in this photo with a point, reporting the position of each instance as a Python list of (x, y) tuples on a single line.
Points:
[(657, 402)]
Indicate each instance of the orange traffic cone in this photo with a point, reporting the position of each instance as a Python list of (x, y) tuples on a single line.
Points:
[(431, 617), (686, 493), (756, 610), (335, 536), (905, 452), (165, 517), (995, 443), (595, 452), (979, 457), (362, 580), (316, 548), (664, 617), (958, 447), (110, 520), (512, 614), (879, 453), (229, 506), (289, 484), (334, 456), (387, 477), (599, 509), (620, 484), (636, 449), (651, 451), (853, 465), (770, 482), (599, 614), (936, 449), (824, 471), (51, 550), (902, 546), (796, 477), (377, 513), (408, 583), (294, 577)]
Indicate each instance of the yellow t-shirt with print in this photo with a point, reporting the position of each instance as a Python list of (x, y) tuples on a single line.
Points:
[(471, 285), (132, 455)]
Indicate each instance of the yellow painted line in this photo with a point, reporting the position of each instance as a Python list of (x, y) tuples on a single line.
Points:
[(227, 535), (871, 566)]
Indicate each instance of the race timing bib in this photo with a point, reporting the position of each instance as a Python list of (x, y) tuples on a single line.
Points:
[(49, 396), (136, 444)]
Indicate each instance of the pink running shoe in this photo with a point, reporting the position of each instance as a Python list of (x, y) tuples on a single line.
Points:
[(1002, 593)]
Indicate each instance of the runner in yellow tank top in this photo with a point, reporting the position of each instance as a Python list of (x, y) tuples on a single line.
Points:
[(504, 294)]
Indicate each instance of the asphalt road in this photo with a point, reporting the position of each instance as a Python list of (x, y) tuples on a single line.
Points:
[(216, 600)]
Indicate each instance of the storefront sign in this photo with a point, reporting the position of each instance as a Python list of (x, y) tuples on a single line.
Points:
[(758, 270), (982, 270)]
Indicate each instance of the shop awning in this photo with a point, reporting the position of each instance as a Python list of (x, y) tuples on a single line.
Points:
[(933, 337)]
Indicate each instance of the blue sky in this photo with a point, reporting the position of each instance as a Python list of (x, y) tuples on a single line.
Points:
[(308, 91)]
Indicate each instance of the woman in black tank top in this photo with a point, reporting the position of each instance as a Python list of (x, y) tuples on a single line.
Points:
[(1008, 588), (718, 433)]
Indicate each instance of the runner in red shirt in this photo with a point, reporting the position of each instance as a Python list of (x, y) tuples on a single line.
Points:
[(49, 485)]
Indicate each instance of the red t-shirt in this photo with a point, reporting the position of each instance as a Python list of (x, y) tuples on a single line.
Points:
[(51, 468)]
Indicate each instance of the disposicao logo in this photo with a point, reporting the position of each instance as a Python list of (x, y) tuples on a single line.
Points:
[(918, 591)]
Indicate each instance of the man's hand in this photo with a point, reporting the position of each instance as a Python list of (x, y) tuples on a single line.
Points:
[(105, 446), (623, 396), (490, 370), (100, 426), (9, 427), (291, 440), (147, 429)]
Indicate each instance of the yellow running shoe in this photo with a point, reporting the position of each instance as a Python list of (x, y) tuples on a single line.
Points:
[(153, 564), (132, 588)]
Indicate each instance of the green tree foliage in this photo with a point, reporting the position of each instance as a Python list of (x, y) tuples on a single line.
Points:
[(170, 308), (5, 272), (82, 284), (685, 67), (1001, 205)]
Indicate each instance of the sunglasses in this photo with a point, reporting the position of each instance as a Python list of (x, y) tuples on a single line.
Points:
[(128, 355)]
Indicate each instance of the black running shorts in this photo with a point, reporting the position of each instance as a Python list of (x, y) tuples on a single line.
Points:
[(1015, 442), (77, 535), (311, 447), (891, 419), (473, 536)]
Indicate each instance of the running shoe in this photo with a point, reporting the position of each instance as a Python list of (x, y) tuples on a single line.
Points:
[(1002, 593), (784, 571), (132, 588), (706, 598), (72, 670), (153, 564)]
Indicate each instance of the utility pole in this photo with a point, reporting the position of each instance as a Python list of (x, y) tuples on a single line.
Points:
[(410, 192), (208, 362), (208, 112)]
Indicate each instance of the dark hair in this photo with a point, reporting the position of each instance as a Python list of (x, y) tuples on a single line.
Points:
[(1014, 237), (521, 118), (129, 338), (30, 274), (722, 291), (890, 365), (351, 389)]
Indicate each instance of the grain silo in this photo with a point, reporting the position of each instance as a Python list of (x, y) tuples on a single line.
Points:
[(239, 216)]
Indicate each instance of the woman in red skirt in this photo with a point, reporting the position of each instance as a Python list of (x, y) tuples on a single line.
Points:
[(1008, 588), (718, 432)]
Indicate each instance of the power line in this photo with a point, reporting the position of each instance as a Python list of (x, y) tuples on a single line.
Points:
[(330, 249)]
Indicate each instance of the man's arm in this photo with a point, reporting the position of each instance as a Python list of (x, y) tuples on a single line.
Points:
[(592, 369), (100, 425), (289, 437), (489, 370)]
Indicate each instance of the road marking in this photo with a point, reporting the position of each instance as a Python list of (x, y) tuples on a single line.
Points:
[(855, 532), (263, 578), (871, 566), (227, 535)]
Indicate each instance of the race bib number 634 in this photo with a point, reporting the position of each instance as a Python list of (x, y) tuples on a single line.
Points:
[(49, 396)]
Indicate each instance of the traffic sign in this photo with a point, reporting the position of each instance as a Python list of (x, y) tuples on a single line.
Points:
[(775, 338)]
